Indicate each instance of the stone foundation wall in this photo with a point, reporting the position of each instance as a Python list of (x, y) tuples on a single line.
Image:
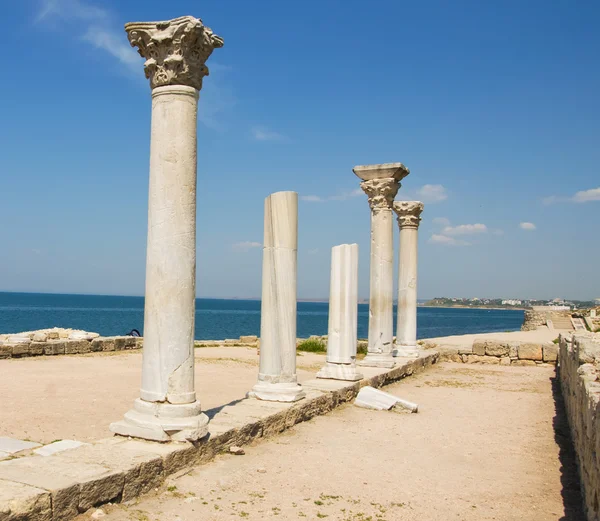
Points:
[(496, 352), (579, 372), (536, 319), (58, 341)]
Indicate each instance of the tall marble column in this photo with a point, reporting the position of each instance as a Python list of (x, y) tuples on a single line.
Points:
[(381, 184), (277, 379), (175, 52), (343, 315), (409, 217)]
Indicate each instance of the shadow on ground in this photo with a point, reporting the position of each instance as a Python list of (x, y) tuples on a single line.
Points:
[(569, 475)]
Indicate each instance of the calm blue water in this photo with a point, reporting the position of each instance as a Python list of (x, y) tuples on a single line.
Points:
[(218, 319)]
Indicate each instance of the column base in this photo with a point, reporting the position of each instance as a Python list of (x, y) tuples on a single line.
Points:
[(277, 392), (335, 371), (406, 351), (163, 422), (385, 360)]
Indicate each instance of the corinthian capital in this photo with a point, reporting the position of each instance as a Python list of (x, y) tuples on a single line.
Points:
[(175, 50), (408, 213), (381, 192)]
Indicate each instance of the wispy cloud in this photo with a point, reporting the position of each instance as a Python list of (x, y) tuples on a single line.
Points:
[(447, 241), (245, 246), (432, 194), (527, 226), (339, 197), (264, 134), (583, 196), (97, 26), (442, 221), (465, 229)]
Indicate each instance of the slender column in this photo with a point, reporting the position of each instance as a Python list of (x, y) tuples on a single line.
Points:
[(381, 184), (343, 315), (175, 53), (409, 217), (277, 379)]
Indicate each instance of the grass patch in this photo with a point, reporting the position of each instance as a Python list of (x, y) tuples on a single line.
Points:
[(312, 346)]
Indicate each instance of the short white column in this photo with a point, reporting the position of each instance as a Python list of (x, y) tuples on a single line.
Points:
[(381, 183), (409, 217), (167, 408), (343, 315), (277, 379)]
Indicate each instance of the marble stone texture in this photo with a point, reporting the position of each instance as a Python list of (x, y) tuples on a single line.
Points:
[(343, 310), (175, 52), (13, 446), (409, 217), (381, 184), (58, 446), (277, 379)]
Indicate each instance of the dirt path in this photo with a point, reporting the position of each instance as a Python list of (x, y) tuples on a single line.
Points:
[(482, 447)]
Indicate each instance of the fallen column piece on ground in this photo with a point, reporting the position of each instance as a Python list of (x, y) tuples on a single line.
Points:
[(371, 398)]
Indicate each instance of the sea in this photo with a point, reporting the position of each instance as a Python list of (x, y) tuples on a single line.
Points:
[(218, 319)]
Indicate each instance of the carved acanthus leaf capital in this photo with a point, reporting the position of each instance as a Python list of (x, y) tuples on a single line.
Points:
[(408, 213), (381, 192), (175, 50)]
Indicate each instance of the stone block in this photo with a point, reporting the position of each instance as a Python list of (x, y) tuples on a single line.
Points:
[(102, 344), (58, 446), (21, 349), (474, 359), (478, 347), (123, 343), (522, 362), (505, 360), (73, 347), (53, 335), (490, 360), (550, 352), (493, 348), (36, 348), (19, 502), (465, 350), (13, 446), (5, 350), (513, 349), (248, 339), (530, 352), (54, 347), (39, 336)]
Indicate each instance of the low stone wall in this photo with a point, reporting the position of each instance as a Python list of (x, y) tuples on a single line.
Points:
[(58, 341), (579, 372), (536, 319), (496, 352)]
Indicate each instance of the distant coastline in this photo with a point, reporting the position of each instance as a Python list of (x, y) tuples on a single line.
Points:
[(459, 306)]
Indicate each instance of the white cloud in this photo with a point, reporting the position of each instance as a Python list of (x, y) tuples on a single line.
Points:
[(447, 241), (246, 245), (97, 25), (432, 194), (264, 134), (339, 197), (465, 229), (527, 226), (442, 221), (583, 196)]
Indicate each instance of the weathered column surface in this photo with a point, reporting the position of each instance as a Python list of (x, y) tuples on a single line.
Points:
[(277, 379), (175, 52), (409, 217), (381, 184), (343, 315)]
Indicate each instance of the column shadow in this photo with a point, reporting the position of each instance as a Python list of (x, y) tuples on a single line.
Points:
[(211, 413), (569, 474)]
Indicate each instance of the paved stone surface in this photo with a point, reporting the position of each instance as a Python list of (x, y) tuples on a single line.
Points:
[(56, 447), (12, 446)]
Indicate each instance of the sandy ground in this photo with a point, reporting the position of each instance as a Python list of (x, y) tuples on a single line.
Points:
[(539, 335), (76, 397), (482, 447)]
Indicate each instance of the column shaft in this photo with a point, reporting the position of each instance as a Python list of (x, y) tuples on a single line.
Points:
[(406, 327), (168, 353), (277, 379), (343, 315)]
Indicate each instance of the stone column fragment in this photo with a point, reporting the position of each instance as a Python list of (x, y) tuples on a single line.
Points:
[(277, 380), (175, 52), (343, 315), (381, 184), (409, 217)]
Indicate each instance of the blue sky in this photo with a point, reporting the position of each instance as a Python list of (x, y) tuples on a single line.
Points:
[(493, 106)]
